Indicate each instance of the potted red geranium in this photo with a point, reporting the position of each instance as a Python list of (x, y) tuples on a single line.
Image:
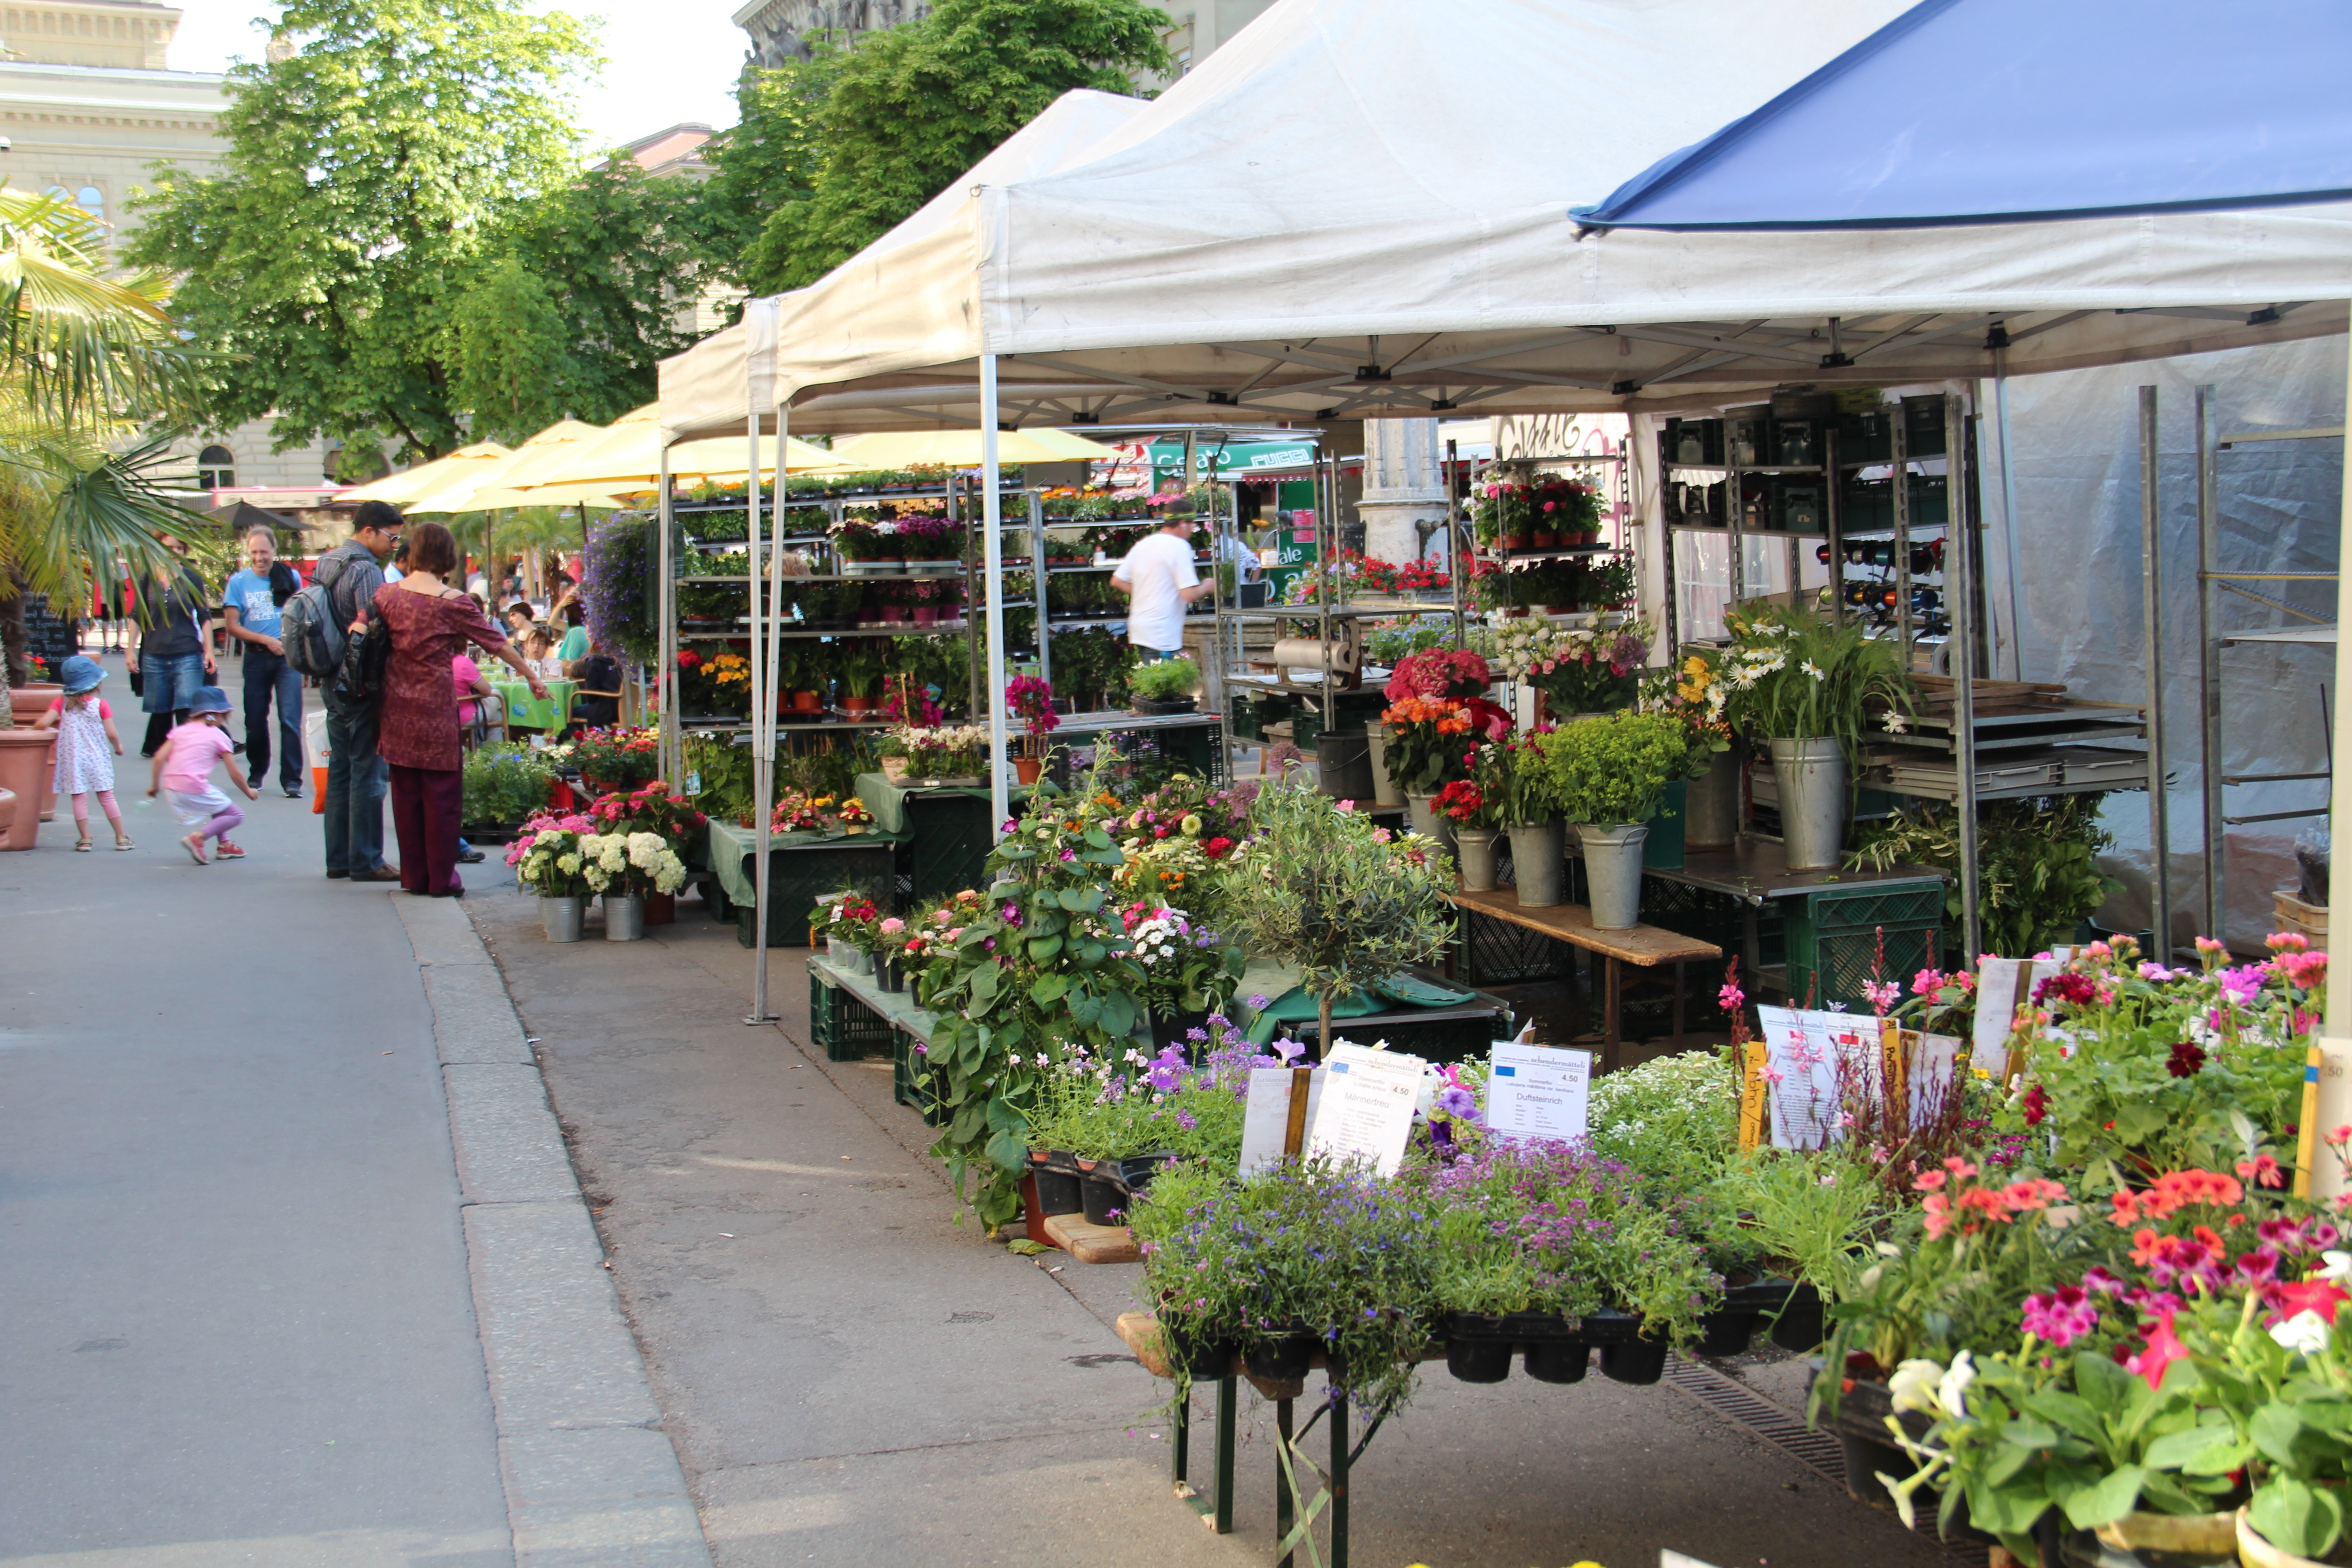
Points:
[(1030, 698)]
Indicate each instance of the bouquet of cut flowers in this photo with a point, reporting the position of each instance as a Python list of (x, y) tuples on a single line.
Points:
[(1431, 742)]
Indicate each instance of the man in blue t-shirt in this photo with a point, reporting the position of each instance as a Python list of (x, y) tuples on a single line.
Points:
[(253, 605)]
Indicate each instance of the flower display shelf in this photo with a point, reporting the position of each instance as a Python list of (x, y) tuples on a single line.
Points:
[(1556, 1350), (1839, 936), (1647, 947)]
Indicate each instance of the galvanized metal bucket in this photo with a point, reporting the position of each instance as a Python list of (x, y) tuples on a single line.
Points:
[(624, 917), (1810, 774), (1612, 871), (560, 917), (1539, 860), (1476, 849)]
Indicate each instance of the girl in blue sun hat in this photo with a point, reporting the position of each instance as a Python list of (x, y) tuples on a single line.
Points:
[(87, 747)]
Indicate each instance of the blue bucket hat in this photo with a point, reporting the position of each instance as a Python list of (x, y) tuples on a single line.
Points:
[(209, 700), (80, 673)]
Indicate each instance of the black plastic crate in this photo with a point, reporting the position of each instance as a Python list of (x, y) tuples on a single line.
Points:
[(1496, 952), (846, 1029), (948, 843), (799, 876)]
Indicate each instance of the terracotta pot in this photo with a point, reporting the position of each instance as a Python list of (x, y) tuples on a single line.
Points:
[(807, 703), (858, 704), (1027, 769), (1509, 542), (27, 759), (30, 702), (1543, 541)]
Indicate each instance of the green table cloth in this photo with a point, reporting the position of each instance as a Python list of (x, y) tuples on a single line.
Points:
[(732, 849), (887, 801), (525, 711)]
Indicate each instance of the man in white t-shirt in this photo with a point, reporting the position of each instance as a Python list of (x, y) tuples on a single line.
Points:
[(1159, 578)]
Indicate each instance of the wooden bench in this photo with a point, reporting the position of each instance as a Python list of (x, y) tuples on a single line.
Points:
[(1647, 946)]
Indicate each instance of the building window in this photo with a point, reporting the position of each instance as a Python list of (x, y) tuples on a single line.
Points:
[(91, 200), (215, 470)]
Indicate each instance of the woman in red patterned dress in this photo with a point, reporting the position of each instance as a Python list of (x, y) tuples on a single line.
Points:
[(430, 622)]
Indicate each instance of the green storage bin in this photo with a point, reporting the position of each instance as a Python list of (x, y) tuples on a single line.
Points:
[(948, 841), (1663, 850), (798, 877), (844, 1028), (1834, 938)]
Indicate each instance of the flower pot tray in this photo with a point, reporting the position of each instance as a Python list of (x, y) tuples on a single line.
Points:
[(1088, 1242)]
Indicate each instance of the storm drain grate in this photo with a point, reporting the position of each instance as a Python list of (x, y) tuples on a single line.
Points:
[(1736, 1403), (1817, 1451)]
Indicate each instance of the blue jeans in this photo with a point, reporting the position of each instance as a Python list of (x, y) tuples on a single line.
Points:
[(268, 675), (169, 685), (355, 785)]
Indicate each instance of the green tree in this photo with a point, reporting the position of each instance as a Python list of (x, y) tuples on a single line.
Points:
[(364, 177), (910, 108), (512, 361), (767, 159)]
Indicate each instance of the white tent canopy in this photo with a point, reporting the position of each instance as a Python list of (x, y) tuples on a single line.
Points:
[(1347, 211)]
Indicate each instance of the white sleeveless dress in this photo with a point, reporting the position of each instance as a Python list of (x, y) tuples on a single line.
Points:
[(85, 760)]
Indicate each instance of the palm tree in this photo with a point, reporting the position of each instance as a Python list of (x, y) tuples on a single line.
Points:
[(86, 363)]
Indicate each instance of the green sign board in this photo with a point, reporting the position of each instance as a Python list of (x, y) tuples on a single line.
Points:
[(1236, 460)]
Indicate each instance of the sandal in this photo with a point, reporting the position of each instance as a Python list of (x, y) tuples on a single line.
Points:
[(195, 845), (123, 841), (225, 850), (81, 845)]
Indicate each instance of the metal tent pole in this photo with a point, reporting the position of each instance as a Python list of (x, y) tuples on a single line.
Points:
[(2334, 1074), (992, 524), (2151, 538), (1960, 555), (672, 754), (763, 717), (2209, 666)]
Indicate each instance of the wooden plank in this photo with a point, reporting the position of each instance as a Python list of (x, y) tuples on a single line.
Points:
[(1091, 1243), (1645, 945)]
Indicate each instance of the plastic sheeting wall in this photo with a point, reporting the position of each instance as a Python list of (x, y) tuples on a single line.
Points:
[(2068, 605)]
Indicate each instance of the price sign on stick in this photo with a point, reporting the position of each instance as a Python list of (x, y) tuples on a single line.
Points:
[(1537, 1091), (1267, 1118), (1365, 1111)]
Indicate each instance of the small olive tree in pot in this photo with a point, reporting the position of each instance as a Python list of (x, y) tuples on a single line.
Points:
[(1345, 901)]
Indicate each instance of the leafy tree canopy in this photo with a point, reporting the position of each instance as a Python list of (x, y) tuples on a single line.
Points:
[(875, 132), (365, 175)]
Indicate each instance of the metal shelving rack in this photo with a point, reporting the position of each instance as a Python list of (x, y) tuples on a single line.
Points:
[(2211, 583), (963, 508)]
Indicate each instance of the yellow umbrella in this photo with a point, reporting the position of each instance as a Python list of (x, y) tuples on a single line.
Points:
[(544, 453), (405, 486), (960, 449), (629, 459)]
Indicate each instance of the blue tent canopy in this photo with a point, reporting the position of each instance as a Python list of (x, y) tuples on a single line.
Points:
[(1964, 111)]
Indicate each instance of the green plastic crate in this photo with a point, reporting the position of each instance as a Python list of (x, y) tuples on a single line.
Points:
[(798, 877), (1834, 933), (846, 1029)]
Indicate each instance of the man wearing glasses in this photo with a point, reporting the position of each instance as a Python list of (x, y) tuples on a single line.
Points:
[(355, 774)]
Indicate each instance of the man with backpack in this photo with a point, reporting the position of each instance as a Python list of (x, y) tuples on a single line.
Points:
[(323, 623)]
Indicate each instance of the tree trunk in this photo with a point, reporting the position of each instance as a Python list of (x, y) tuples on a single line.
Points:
[(1323, 1028)]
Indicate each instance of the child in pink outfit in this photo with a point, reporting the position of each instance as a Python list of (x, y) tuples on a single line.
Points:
[(184, 772)]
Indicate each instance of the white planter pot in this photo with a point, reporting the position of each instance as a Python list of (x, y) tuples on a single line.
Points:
[(1612, 871), (1810, 774), (1539, 860), (1385, 789), (561, 917)]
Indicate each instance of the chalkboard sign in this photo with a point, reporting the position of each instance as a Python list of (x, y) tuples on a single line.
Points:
[(48, 641)]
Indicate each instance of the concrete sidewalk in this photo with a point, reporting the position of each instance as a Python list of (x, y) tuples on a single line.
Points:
[(251, 1283), (853, 1378)]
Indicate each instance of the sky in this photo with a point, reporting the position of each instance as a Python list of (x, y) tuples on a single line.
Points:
[(664, 61)]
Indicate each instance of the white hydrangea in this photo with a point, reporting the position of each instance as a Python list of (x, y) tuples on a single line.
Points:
[(568, 863)]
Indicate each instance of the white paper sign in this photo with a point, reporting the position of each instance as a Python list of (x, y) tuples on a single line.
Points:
[(1538, 1092), (1934, 1065), (1365, 1111), (1802, 1051), (2004, 984), (1266, 1116)]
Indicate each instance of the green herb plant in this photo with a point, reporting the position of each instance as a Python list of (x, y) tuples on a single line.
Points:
[(1615, 769)]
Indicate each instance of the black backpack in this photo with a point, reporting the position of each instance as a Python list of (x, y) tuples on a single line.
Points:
[(309, 629)]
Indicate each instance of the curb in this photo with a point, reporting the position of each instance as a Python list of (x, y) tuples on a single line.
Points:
[(589, 1475)]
